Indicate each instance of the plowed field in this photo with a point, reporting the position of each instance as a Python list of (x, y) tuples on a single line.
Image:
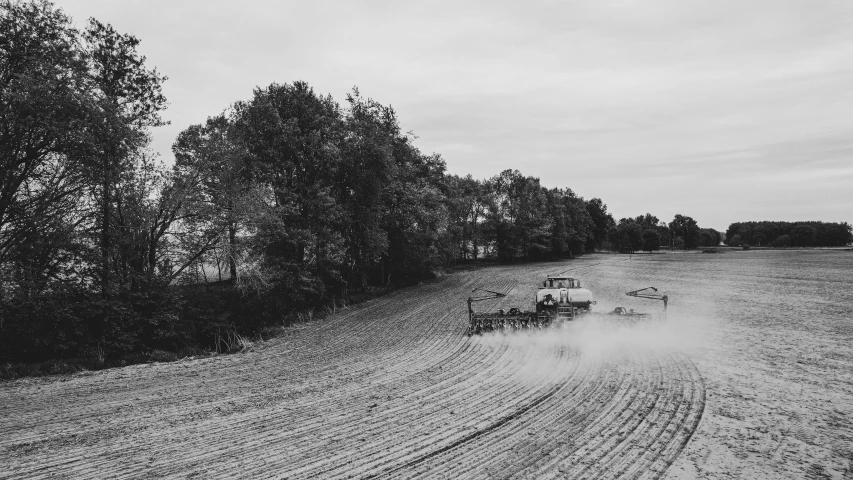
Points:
[(393, 388)]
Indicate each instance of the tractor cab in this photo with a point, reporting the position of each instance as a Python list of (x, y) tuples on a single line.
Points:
[(561, 282)]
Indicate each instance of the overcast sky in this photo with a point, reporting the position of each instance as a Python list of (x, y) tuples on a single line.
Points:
[(723, 110)]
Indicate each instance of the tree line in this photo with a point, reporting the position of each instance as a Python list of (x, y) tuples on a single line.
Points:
[(286, 202), (789, 234), (647, 232)]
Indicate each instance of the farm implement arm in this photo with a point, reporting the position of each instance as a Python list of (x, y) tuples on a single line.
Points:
[(644, 293), (488, 295)]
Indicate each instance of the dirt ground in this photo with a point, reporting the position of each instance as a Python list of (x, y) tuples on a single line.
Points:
[(749, 377)]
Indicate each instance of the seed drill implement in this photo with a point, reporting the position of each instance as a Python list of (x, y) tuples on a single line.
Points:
[(558, 300)]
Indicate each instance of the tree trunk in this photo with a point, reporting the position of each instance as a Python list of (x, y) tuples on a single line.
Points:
[(476, 245), (219, 267), (105, 229), (100, 324), (232, 250), (152, 257)]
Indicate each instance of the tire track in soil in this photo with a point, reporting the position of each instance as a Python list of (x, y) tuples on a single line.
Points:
[(391, 388)]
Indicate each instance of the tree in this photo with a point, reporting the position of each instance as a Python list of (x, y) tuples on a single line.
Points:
[(580, 227), (708, 237), (735, 241), (602, 222), (559, 229), (618, 240), (635, 236), (45, 108), (651, 222), (212, 165), (417, 217), (293, 139), (651, 240), (627, 236), (665, 234), (516, 216), (466, 207), (128, 101), (686, 228), (647, 221), (366, 172)]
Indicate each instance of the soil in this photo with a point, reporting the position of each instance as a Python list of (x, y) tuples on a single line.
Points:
[(749, 376)]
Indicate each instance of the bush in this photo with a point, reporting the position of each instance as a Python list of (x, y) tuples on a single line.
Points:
[(71, 323), (40, 327)]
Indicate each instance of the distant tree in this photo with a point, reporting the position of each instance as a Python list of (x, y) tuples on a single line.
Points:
[(647, 221), (759, 233), (709, 237), (803, 236), (745, 232), (635, 235), (517, 215), (678, 243), (602, 222), (735, 241), (627, 236), (686, 228), (665, 234), (651, 240), (533, 225), (619, 240), (731, 232), (475, 208), (459, 229), (559, 223), (837, 234), (572, 227), (782, 241)]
